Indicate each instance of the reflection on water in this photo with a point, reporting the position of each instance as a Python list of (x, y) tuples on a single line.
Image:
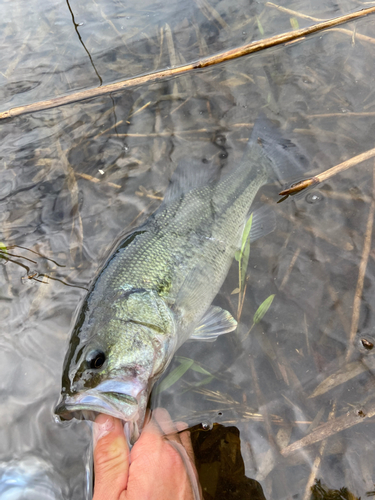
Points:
[(299, 386), (29, 479)]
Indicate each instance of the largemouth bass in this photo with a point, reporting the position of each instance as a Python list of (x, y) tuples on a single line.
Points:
[(156, 289)]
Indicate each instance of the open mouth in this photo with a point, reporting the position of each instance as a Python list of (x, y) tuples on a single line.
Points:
[(86, 405)]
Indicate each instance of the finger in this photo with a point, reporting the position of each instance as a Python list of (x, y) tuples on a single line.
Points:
[(180, 441), (186, 439), (111, 458), (163, 419), (167, 427), (170, 474)]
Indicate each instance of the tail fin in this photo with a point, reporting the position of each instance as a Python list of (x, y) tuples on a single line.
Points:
[(287, 161)]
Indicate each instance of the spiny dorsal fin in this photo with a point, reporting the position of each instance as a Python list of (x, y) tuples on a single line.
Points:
[(287, 160), (190, 174)]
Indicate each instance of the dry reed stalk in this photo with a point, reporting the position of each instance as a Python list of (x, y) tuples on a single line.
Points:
[(96, 180), (263, 408), (295, 13), (361, 273), (316, 179), (317, 461), (341, 115), (330, 428), (203, 63), (290, 268)]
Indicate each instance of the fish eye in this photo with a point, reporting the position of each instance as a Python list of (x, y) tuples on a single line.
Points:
[(95, 359)]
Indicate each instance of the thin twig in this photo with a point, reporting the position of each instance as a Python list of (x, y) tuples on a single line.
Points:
[(290, 268), (140, 109), (262, 407), (36, 253), (96, 180), (361, 273), (318, 20), (207, 61), (76, 25), (316, 179), (342, 114), (317, 460), (4, 255), (329, 429)]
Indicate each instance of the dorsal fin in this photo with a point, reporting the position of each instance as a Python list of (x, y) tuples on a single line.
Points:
[(190, 174), (288, 161)]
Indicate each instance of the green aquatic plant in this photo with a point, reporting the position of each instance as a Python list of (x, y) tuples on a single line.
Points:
[(294, 23), (320, 492), (260, 27), (185, 365), (175, 375), (242, 255), (3, 251), (260, 313), (262, 309)]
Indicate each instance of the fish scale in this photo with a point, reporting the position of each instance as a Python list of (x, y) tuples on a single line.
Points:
[(178, 237)]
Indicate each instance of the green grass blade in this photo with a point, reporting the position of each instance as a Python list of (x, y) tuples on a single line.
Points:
[(195, 366), (294, 23), (263, 308), (199, 369), (175, 375), (245, 252), (246, 232), (3, 250), (205, 381), (260, 27)]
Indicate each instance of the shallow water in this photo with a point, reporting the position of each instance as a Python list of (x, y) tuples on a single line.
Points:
[(74, 178)]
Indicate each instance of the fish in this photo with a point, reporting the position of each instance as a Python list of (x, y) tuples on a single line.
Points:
[(156, 289)]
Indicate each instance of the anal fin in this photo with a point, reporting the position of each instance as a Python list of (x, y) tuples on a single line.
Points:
[(215, 322)]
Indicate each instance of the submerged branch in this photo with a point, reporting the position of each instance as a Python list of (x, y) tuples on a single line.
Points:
[(76, 25), (203, 63), (316, 179), (361, 274), (330, 428), (295, 13)]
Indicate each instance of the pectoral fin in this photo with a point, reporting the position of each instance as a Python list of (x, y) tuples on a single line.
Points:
[(264, 222), (215, 322)]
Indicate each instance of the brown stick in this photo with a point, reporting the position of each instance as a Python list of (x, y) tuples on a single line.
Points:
[(301, 185), (96, 180), (361, 274), (329, 428), (317, 461), (203, 63), (295, 13)]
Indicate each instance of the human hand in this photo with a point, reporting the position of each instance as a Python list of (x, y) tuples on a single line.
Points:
[(160, 465)]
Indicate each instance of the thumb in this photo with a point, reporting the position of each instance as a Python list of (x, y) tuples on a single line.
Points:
[(111, 458)]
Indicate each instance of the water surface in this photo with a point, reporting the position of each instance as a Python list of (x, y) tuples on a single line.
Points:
[(74, 178)]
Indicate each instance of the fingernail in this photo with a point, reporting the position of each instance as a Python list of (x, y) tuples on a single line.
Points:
[(103, 425)]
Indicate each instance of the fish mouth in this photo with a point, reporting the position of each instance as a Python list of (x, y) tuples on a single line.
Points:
[(87, 405), (117, 397), (124, 400)]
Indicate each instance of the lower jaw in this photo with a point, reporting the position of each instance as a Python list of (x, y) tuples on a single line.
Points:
[(112, 403)]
